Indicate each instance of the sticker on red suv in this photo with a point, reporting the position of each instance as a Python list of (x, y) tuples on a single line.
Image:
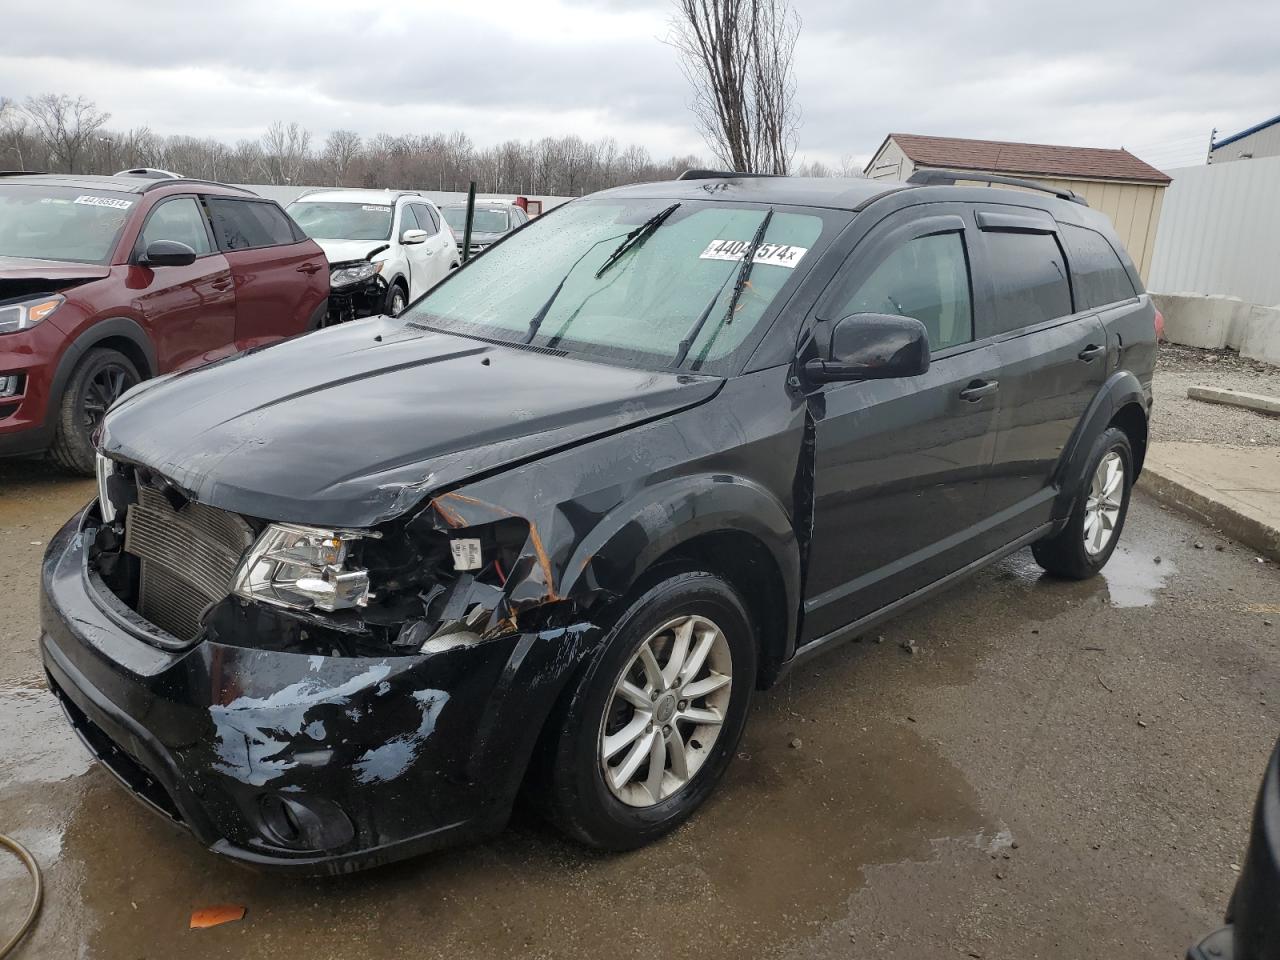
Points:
[(770, 254), (114, 202)]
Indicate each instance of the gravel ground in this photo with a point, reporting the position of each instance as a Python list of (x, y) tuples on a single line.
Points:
[(1176, 417)]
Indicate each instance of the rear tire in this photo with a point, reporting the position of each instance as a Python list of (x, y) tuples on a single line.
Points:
[(1083, 547), (98, 380), (586, 788)]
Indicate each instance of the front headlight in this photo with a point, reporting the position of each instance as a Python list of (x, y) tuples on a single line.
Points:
[(347, 274), (303, 568), (25, 315)]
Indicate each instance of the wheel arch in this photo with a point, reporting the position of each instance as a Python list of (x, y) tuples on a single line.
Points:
[(1121, 401), (729, 525), (117, 333)]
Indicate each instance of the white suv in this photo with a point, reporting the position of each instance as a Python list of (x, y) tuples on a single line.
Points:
[(385, 248)]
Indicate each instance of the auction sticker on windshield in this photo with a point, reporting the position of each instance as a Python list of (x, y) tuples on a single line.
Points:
[(115, 202), (771, 254), (373, 209)]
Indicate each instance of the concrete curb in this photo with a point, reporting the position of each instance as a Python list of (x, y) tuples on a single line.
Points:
[(1257, 402), (1209, 505)]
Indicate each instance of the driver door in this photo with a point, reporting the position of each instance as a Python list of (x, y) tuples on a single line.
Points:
[(902, 465)]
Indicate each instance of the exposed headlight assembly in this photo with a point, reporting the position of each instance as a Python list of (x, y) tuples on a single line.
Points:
[(303, 568), (25, 315), (347, 274)]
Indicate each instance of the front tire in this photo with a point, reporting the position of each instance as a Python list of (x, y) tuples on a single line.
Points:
[(1083, 547), (397, 299), (97, 382), (650, 724)]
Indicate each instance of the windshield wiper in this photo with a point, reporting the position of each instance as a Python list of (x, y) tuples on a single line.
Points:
[(744, 274), (636, 238), (541, 315)]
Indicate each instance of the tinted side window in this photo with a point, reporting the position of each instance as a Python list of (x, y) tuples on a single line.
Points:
[(179, 219), (1029, 277), (247, 224), (427, 218), (1100, 276), (926, 278)]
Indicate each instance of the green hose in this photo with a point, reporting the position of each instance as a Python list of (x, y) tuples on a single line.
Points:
[(25, 856)]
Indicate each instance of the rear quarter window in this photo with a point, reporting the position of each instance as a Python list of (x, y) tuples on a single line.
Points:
[(1100, 276), (1029, 280), (249, 224)]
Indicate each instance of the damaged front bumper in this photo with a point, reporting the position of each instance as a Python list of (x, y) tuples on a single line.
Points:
[(320, 764)]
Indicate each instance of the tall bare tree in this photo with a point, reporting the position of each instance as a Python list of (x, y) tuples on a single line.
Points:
[(739, 58), (285, 148), (341, 147), (13, 135), (64, 126)]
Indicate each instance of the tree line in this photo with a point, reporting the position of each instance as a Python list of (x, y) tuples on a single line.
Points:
[(60, 133)]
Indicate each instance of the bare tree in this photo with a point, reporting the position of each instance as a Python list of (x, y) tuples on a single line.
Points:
[(341, 147), (738, 56), (13, 134), (64, 126), (285, 150)]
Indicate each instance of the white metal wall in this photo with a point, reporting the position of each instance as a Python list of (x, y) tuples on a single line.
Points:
[(1264, 143), (1220, 232)]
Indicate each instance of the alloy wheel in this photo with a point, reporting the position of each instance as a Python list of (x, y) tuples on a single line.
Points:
[(1102, 508), (103, 389), (666, 711)]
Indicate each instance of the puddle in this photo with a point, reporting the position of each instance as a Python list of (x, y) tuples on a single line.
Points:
[(37, 744), (1133, 576)]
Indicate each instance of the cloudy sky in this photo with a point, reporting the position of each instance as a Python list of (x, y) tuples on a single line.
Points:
[(1155, 77)]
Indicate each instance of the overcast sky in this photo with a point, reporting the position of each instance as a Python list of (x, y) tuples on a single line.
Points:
[(1155, 77)]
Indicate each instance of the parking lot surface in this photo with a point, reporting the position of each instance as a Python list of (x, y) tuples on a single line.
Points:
[(1023, 768)]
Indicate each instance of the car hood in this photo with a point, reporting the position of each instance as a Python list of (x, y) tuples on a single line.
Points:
[(340, 251), (20, 276), (355, 424), (485, 238)]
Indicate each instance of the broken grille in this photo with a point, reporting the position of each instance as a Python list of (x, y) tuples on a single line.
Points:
[(188, 558)]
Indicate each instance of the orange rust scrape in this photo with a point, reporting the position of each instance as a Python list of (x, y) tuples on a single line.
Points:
[(543, 560), (213, 916)]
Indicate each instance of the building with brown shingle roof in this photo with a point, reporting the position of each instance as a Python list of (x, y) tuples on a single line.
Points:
[(1127, 189)]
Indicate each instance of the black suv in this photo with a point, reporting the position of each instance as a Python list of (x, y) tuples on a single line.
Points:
[(341, 598)]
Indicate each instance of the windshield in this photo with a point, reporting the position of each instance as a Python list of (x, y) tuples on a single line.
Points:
[(640, 309), (342, 220), (61, 223), (485, 221)]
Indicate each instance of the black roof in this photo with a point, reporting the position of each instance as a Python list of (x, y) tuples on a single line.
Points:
[(119, 184), (839, 193)]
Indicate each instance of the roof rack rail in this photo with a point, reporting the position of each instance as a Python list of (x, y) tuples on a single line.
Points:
[(930, 176), (20, 173), (155, 184), (721, 174)]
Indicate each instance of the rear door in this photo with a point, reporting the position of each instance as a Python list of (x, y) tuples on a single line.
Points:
[(189, 311), (901, 465), (1053, 359), (281, 277)]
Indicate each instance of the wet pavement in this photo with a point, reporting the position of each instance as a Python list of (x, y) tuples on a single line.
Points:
[(1057, 770)]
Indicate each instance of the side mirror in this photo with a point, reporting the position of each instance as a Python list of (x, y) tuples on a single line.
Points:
[(414, 236), (167, 253), (873, 346)]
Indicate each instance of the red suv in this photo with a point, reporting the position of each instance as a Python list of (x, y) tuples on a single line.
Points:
[(106, 281)]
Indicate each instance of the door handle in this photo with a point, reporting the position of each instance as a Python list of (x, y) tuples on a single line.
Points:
[(1090, 352), (309, 268), (978, 389), (221, 283)]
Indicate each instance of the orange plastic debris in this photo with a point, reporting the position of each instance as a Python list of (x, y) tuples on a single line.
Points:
[(212, 916)]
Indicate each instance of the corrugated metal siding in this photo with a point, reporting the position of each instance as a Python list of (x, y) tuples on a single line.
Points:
[(1264, 143), (1218, 232)]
